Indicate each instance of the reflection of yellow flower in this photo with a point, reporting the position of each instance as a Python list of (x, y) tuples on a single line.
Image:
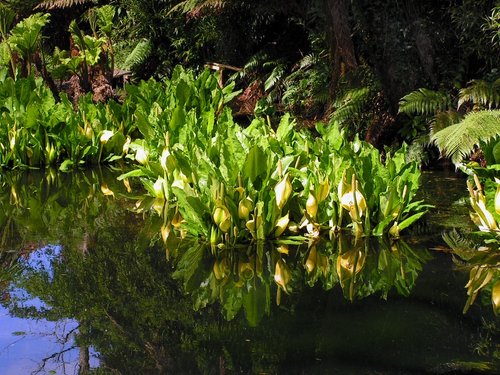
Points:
[(282, 274), (245, 270), (495, 297), (351, 261), (311, 260), (221, 268), (165, 232), (106, 191)]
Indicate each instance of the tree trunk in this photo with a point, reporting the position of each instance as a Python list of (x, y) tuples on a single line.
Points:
[(84, 361), (342, 55)]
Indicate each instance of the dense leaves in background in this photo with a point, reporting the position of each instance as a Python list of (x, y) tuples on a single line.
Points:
[(345, 61)]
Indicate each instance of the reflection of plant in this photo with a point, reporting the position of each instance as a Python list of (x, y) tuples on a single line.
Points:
[(483, 261), (242, 278)]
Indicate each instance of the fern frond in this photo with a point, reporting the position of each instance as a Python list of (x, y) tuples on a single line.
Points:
[(194, 7), (140, 53), (276, 75), (424, 102), (457, 141), (417, 150), (481, 92), (308, 60), (351, 104), (443, 120), (253, 64), (61, 4)]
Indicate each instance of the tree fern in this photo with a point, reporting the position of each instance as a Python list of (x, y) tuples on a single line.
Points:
[(458, 140), (444, 119), (62, 4), (424, 102), (139, 54), (195, 6), (484, 93), (351, 104), (276, 76)]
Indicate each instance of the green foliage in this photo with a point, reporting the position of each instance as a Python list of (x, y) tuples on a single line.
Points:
[(454, 134), (25, 36), (425, 102), (62, 4), (306, 91), (493, 25), (477, 128), (482, 93), (36, 131), (233, 184), (138, 55), (351, 104), (475, 24), (7, 17), (353, 107)]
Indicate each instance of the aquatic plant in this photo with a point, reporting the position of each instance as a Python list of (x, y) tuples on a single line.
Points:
[(36, 130), (231, 184)]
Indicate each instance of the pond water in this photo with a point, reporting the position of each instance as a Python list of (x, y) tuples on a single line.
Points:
[(85, 286)]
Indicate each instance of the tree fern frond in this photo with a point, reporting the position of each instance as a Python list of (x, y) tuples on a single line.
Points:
[(481, 92), (140, 53), (443, 120), (251, 66), (458, 140), (62, 4), (194, 7), (322, 96), (351, 104), (417, 150), (276, 75), (308, 60), (424, 101)]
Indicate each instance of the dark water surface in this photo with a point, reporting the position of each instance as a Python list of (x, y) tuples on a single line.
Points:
[(85, 287)]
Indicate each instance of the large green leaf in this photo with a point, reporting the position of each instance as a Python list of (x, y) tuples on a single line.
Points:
[(255, 164)]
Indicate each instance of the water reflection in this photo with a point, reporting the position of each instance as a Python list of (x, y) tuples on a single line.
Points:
[(246, 277), (313, 308)]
